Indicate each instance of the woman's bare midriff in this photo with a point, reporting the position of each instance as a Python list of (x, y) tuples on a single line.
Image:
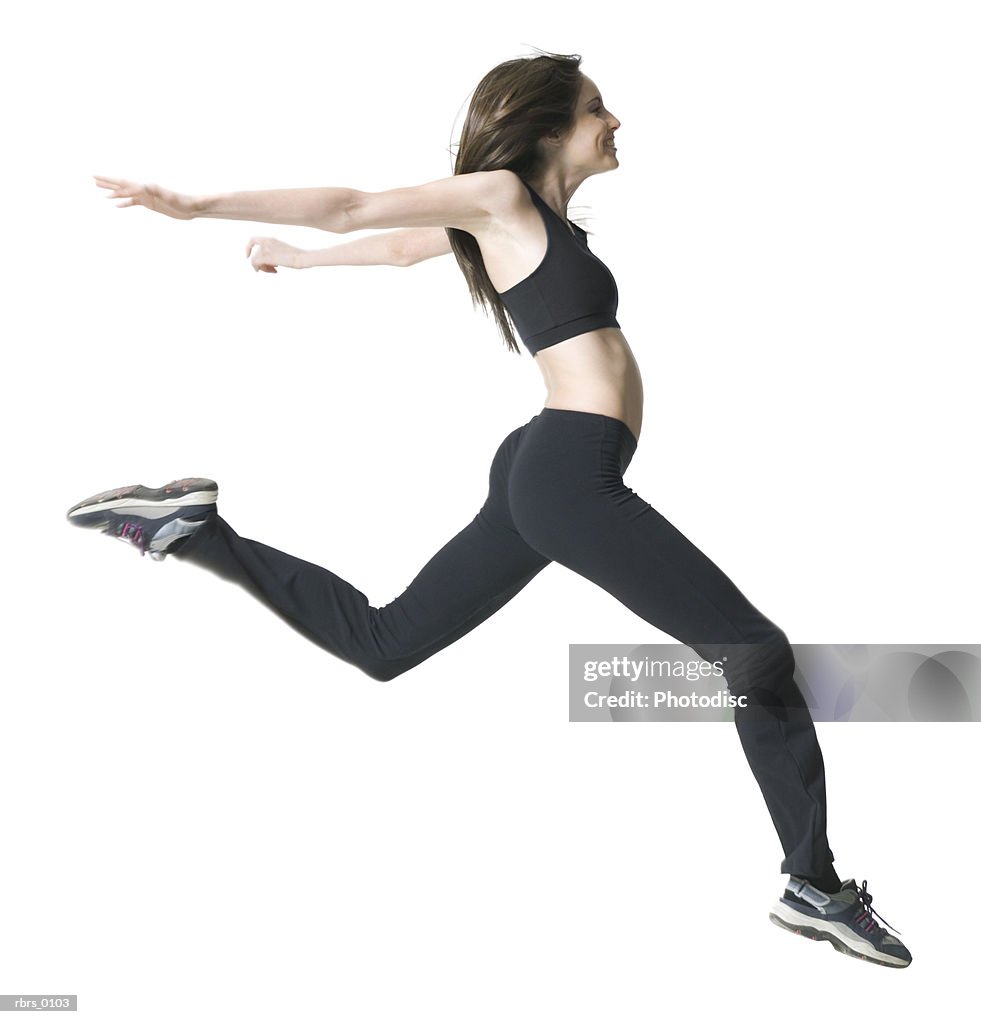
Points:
[(594, 372)]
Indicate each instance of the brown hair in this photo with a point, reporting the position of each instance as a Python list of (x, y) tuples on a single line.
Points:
[(513, 107)]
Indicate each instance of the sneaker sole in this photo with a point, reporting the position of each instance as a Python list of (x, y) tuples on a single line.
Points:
[(191, 495), (832, 932)]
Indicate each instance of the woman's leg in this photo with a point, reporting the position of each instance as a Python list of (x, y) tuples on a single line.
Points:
[(569, 502), (464, 583)]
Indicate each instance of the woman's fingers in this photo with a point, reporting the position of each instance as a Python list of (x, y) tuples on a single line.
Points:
[(255, 244), (120, 189), (115, 183), (152, 196)]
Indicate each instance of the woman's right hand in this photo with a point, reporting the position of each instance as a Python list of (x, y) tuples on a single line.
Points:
[(153, 197)]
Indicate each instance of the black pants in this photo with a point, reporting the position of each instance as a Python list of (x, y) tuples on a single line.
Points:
[(557, 494)]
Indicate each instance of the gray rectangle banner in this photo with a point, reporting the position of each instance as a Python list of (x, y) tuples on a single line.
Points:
[(38, 1003), (838, 682)]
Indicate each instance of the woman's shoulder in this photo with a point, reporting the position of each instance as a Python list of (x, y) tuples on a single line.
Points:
[(508, 191)]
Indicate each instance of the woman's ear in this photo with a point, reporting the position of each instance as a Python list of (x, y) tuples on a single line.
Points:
[(550, 141)]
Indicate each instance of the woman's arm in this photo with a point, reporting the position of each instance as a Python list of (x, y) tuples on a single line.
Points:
[(401, 248), (300, 207), (392, 248), (462, 201), (324, 208)]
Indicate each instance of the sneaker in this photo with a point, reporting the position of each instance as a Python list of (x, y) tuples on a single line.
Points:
[(843, 918), (154, 520)]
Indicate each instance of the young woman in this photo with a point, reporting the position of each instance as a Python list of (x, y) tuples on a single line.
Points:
[(535, 130)]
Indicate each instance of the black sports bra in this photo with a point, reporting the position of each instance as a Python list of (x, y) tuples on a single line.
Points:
[(570, 292)]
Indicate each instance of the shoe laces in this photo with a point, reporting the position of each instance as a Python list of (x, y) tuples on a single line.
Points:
[(864, 916), (130, 532)]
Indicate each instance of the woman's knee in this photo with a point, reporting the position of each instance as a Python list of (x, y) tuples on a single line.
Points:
[(383, 672), (763, 669), (385, 669)]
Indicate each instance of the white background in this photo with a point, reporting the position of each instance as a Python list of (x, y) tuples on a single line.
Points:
[(204, 817)]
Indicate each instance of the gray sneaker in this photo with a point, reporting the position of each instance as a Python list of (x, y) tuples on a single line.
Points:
[(154, 520), (843, 918)]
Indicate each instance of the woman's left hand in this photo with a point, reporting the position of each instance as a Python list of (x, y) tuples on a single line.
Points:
[(268, 253)]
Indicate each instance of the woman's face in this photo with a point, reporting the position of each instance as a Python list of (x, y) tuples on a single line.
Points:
[(588, 146)]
